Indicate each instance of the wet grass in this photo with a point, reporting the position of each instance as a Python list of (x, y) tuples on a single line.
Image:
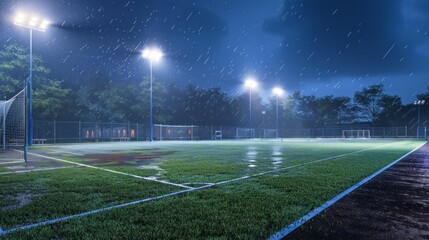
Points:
[(69, 191), (249, 209)]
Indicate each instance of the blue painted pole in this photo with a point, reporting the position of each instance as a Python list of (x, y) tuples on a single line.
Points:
[(250, 109), (30, 93), (418, 121), (150, 114), (277, 117), (4, 124)]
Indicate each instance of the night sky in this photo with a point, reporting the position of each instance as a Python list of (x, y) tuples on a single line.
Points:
[(319, 47)]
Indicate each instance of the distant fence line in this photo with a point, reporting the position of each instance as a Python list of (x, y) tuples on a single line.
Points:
[(79, 131)]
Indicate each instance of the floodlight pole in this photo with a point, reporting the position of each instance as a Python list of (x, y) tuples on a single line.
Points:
[(30, 94), (277, 116), (150, 114), (32, 25), (250, 108), (4, 124), (418, 103), (418, 121), (151, 55)]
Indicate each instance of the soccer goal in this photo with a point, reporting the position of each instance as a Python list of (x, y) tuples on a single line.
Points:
[(174, 132), (270, 133), (14, 127), (245, 133), (356, 134)]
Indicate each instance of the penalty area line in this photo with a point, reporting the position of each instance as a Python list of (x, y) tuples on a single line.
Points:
[(298, 223), (111, 171)]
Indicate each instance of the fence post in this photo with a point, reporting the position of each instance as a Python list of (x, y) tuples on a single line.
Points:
[(80, 131), (4, 125), (137, 132), (128, 130), (55, 131), (406, 131), (426, 133)]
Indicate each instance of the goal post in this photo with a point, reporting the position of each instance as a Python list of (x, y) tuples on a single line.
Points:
[(356, 134), (269, 133), (174, 132), (244, 133), (13, 122)]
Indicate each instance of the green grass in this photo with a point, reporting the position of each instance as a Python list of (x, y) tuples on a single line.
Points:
[(248, 209)]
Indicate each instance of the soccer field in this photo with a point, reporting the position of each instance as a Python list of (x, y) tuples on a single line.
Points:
[(167, 190)]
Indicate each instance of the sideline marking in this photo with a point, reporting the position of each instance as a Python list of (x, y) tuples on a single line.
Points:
[(11, 162), (179, 192), (36, 170), (112, 171), (298, 223)]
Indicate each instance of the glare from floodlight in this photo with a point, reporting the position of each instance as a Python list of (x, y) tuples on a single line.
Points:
[(31, 22), (278, 91), (153, 54), (19, 18), (44, 24), (251, 83)]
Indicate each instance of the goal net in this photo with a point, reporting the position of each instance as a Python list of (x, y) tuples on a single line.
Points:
[(174, 132), (356, 134), (270, 133), (245, 133), (13, 127)]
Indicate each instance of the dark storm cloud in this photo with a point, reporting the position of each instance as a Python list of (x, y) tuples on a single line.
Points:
[(324, 39)]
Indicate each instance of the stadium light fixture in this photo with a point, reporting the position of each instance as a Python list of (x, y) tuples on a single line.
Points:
[(32, 22), (418, 103), (153, 55), (278, 92), (250, 84)]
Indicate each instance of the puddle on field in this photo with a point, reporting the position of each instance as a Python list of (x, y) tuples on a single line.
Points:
[(153, 167), (251, 154), (269, 157), (276, 160), (126, 159)]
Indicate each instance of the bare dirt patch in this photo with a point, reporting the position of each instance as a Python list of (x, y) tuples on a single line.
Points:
[(128, 159), (22, 200)]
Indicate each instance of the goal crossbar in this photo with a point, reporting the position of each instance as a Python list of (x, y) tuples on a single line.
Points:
[(356, 134)]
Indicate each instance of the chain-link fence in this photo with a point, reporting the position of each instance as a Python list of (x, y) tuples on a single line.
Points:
[(77, 131)]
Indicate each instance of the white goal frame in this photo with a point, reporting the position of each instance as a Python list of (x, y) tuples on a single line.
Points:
[(362, 134)]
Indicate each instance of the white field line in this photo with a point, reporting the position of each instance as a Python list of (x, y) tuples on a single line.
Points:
[(78, 154), (173, 194), (100, 210), (287, 230), (109, 170), (35, 170), (11, 162)]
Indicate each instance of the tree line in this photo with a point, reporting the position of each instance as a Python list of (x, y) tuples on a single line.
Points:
[(105, 100)]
